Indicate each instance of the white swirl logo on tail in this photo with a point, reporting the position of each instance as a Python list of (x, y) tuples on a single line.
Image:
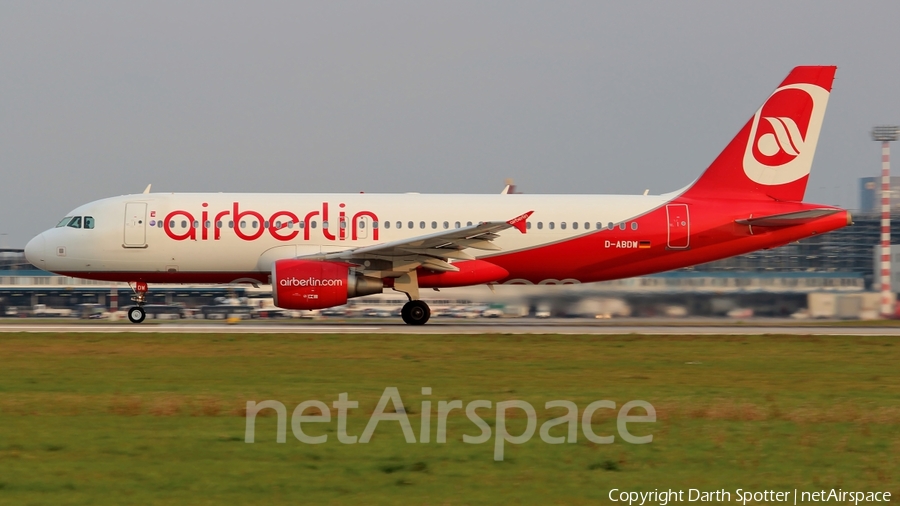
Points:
[(786, 137), (784, 133)]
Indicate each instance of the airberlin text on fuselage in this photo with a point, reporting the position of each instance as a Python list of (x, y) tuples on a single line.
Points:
[(311, 282), (282, 225)]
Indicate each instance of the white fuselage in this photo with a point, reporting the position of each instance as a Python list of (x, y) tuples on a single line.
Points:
[(130, 232)]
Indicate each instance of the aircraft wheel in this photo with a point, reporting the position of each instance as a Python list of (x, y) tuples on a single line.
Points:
[(415, 312), (136, 314)]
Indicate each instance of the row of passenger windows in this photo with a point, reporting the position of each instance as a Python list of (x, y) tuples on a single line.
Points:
[(540, 225), (77, 222), (252, 224), (563, 225)]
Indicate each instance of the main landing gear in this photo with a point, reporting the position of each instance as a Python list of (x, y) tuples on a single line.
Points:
[(415, 312), (137, 314)]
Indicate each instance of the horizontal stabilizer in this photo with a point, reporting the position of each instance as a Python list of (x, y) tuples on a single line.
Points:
[(787, 219)]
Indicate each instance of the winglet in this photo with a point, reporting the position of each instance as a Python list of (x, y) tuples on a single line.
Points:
[(147, 189), (520, 221)]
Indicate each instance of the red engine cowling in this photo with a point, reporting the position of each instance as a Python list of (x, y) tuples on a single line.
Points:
[(314, 284)]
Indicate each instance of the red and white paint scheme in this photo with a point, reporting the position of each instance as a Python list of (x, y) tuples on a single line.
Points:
[(318, 250)]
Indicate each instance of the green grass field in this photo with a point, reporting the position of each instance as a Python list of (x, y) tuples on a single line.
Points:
[(159, 419)]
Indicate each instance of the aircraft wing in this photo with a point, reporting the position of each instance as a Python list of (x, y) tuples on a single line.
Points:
[(432, 250)]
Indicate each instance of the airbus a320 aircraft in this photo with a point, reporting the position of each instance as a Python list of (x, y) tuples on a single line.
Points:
[(318, 250)]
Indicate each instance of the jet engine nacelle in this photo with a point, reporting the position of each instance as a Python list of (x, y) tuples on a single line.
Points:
[(314, 284)]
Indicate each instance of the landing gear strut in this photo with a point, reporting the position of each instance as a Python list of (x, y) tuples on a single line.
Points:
[(137, 314), (415, 312)]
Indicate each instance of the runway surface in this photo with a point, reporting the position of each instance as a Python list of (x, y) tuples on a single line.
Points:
[(566, 327)]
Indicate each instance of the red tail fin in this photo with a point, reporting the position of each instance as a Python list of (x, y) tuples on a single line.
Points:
[(771, 156)]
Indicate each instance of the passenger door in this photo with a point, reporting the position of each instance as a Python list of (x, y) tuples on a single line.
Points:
[(135, 225), (679, 235)]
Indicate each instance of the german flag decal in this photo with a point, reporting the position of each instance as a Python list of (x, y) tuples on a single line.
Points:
[(644, 244)]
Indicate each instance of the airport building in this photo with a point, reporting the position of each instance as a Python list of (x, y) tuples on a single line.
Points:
[(870, 195), (711, 290)]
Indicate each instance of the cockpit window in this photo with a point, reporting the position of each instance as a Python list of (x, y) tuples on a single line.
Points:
[(76, 222)]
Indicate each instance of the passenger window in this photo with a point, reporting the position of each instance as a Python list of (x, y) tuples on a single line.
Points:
[(446, 225), (324, 224), (387, 224), (75, 222), (527, 225), (552, 225), (89, 222), (172, 224), (587, 226), (218, 224), (599, 226), (468, 223), (160, 224), (622, 226), (633, 225), (362, 224), (277, 225), (457, 224), (433, 224), (343, 224), (231, 224), (409, 225), (399, 224), (184, 224), (207, 224), (312, 224), (302, 224), (421, 224), (243, 224), (374, 224), (290, 224), (196, 224), (540, 225), (265, 224), (574, 225), (612, 225)]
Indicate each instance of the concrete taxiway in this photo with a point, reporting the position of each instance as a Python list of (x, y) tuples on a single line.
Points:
[(565, 327)]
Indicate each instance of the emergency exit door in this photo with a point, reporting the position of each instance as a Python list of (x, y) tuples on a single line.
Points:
[(363, 224)]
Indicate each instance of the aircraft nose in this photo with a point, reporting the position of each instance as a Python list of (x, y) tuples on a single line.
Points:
[(35, 250)]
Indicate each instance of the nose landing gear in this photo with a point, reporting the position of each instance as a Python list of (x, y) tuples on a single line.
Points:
[(137, 314)]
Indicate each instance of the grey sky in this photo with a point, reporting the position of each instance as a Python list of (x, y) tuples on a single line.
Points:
[(101, 98)]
